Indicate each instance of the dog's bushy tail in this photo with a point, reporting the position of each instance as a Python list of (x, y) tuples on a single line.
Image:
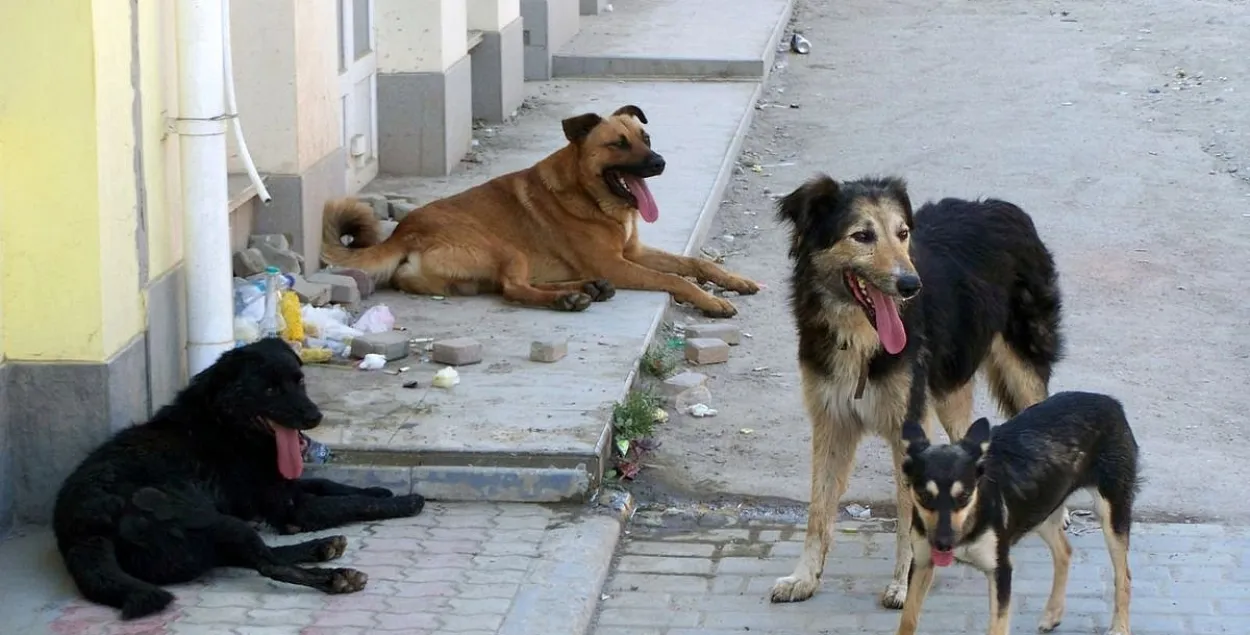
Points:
[(92, 563), (367, 252), (1036, 305)]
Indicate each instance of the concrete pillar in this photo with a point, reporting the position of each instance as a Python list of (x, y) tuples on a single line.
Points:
[(498, 60), (425, 87), (549, 25), (594, 7), (286, 75)]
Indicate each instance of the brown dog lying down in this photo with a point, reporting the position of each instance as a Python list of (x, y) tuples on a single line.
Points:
[(560, 234)]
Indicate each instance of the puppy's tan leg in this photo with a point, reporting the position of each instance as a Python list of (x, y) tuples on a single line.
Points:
[(835, 438), (919, 581), (1117, 547), (514, 278), (1000, 600), (697, 268), (625, 274), (955, 412), (1051, 531)]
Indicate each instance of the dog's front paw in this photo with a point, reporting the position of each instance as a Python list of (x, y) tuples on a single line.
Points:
[(408, 504), (378, 492), (145, 603), (793, 589), (599, 290), (331, 548), (346, 581), (573, 302), (718, 307), (743, 286), (894, 595)]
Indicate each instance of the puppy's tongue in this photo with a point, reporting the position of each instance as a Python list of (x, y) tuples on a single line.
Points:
[(889, 324), (290, 455), (942, 558), (646, 202)]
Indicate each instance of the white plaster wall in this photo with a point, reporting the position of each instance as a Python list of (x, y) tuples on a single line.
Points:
[(420, 36), (492, 15)]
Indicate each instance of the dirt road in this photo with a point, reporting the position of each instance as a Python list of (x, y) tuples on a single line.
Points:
[(1123, 128)]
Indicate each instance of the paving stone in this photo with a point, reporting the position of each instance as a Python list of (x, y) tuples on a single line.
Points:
[(460, 351), (248, 262), (727, 333), (380, 204), (343, 289), (364, 282), (706, 351), (548, 350), (390, 344), (681, 382), (313, 293)]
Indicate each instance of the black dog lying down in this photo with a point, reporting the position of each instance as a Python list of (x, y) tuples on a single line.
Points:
[(166, 501), (979, 496)]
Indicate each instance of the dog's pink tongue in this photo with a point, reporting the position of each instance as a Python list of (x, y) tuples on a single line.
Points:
[(943, 558), (889, 324), (290, 458), (647, 208)]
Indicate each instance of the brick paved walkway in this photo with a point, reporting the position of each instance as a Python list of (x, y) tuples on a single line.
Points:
[(1188, 580), (469, 569)]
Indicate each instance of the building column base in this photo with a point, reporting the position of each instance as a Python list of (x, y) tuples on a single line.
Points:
[(425, 120), (499, 73), (593, 7), (549, 25), (297, 203)]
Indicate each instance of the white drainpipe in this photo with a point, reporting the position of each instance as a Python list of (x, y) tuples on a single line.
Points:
[(206, 224)]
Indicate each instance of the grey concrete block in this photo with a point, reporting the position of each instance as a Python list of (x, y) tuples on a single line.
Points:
[(248, 262), (343, 289), (298, 200), (364, 281), (381, 206), (277, 241), (499, 73), (727, 333), (284, 259), (424, 128), (593, 7), (682, 382), (549, 25), (706, 351), (460, 351), (314, 293), (401, 209), (549, 350), (392, 345)]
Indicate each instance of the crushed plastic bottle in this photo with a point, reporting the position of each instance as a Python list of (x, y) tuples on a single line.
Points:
[(271, 322), (315, 452)]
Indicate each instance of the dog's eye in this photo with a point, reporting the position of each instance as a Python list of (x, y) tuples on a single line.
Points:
[(904, 234), (622, 143), (646, 138), (863, 237)]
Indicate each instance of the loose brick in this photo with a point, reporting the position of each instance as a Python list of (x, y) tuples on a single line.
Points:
[(727, 333), (364, 282), (276, 241), (681, 382), (313, 293), (284, 259), (343, 289), (401, 209), (706, 351), (249, 262), (390, 344), (386, 228), (460, 351), (380, 204), (548, 350)]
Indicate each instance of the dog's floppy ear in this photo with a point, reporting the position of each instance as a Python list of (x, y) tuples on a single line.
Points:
[(796, 207), (631, 110), (576, 128)]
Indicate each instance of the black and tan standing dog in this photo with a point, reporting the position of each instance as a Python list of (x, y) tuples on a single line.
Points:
[(874, 350), (976, 498)]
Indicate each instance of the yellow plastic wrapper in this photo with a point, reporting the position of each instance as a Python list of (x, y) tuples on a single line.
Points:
[(315, 355), (288, 306)]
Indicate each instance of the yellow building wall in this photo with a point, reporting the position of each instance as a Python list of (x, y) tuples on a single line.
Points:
[(69, 272), (158, 69)]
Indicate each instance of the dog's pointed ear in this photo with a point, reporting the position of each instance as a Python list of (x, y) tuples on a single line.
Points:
[(976, 440), (796, 207), (576, 128), (914, 438), (896, 187), (631, 110)]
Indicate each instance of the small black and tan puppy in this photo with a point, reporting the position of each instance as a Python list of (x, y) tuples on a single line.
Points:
[(976, 498), (165, 501)]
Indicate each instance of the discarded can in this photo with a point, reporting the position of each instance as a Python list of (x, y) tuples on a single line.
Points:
[(315, 452), (799, 44)]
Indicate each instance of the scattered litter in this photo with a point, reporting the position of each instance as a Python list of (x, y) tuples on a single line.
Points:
[(859, 511), (446, 378), (378, 319), (660, 415), (437, 297), (372, 361), (701, 410), (746, 431), (698, 395), (315, 355), (328, 323), (1066, 103), (314, 451), (411, 384), (404, 369), (800, 44)]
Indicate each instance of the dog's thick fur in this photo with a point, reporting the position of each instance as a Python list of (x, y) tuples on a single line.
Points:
[(990, 301), (976, 498), (165, 501), (560, 234)]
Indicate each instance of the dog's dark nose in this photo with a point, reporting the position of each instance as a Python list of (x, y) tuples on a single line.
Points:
[(655, 162), (908, 285), (942, 544)]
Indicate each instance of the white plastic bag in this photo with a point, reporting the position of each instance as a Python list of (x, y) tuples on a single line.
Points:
[(372, 361), (378, 319), (328, 323)]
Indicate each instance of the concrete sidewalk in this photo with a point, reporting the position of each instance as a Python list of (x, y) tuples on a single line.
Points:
[(1187, 580), (476, 568)]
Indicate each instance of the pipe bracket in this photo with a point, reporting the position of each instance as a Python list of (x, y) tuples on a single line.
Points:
[(201, 127)]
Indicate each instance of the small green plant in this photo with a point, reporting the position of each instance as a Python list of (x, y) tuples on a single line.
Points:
[(633, 424), (663, 358)]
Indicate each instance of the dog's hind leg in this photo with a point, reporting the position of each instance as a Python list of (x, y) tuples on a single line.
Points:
[(954, 411), (514, 279), (1000, 596), (1051, 531), (314, 513), (309, 551), (835, 439), (93, 565), (1116, 516), (238, 545)]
